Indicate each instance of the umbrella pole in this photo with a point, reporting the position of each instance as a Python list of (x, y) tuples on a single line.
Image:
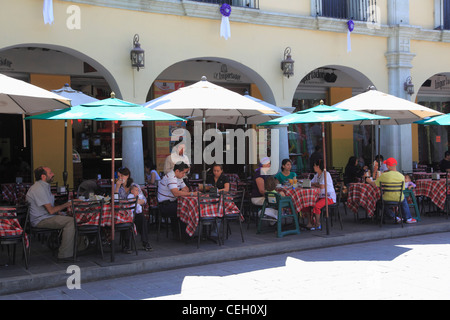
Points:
[(325, 178), (65, 174), (203, 149), (113, 151)]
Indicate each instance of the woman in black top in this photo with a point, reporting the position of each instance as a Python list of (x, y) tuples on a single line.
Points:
[(352, 171), (218, 179)]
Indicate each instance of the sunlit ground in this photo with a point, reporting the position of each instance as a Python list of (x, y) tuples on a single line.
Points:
[(419, 272)]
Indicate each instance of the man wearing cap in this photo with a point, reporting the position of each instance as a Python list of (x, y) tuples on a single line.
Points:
[(393, 176)]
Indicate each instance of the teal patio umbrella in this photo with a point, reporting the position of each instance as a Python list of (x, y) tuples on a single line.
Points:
[(110, 109), (442, 120), (321, 114)]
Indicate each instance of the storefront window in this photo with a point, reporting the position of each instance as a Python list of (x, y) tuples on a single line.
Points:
[(303, 139), (433, 140)]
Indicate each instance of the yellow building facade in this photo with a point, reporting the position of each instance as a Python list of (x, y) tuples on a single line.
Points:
[(391, 41)]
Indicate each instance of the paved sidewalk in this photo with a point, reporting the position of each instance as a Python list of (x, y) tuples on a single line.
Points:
[(45, 272)]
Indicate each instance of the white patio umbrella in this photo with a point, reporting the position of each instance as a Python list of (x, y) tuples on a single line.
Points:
[(400, 111), (250, 119), (204, 99), (20, 97), (77, 98)]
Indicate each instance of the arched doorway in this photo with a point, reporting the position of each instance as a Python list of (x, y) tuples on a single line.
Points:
[(433, 141), (50, 67), (332, 84), (224, 72)]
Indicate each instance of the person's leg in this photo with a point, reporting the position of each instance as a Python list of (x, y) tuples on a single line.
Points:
[(68, 234), (318, 207), (406, 211)]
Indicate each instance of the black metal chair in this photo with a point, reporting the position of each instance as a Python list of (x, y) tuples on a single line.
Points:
[(128, 205), (152, 201), (9, 219), (203, 201), (332, 208), (236, 197), (447, 195), (392, 189), (84, 212), (52, 237)]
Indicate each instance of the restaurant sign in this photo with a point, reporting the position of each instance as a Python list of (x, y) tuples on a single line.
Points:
[(5, 63), (225, 75)]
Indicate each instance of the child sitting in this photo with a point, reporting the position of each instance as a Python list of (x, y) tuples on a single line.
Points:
[(134, 193), (408, 182)]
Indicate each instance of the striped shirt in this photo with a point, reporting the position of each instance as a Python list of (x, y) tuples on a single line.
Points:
[(167, 183)]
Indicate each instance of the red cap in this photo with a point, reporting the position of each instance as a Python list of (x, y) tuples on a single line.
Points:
[(391, 162)]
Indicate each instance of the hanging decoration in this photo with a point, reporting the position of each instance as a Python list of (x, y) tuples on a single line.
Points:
[(225, 31), (48, 12), (351, 26)]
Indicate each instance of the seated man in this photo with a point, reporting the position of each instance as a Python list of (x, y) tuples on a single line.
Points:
[(172, 186), (444, 165), (44, 213), (393, 176)]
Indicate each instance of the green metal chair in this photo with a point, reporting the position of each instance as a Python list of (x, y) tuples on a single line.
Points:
[(276, 201), (408, 193)]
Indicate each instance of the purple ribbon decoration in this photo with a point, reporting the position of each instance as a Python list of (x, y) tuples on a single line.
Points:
[(225, 10), (351, 27), (225, 31)]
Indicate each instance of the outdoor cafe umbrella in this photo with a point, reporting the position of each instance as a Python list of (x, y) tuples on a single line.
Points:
[(76, 97), (442, 120), (248, 119), (204, 99), (110, 109), (322, 114), (17, 96), (400, 111), (20, 97)]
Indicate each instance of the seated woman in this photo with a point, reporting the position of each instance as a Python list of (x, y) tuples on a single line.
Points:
[(123, 188), (218, 179), (151, 175), (353, 172), (285, 174), (319, 181), (259, 177)]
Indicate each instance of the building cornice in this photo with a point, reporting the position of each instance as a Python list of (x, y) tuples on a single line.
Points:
[(202, 10)]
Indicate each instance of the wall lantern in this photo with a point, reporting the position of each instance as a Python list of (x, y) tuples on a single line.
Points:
[(409, 86), (287, 65), (137, 54)]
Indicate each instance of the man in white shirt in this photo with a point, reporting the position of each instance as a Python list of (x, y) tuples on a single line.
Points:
[(172, 185)]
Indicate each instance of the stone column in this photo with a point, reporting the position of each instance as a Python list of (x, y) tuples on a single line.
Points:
[(396, 140), (132, 150)]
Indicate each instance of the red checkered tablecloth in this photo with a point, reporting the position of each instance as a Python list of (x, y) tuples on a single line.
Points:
[(15, 193), (122, 216), (302, 197), (363, 195), (433, 189), (187, 211), (11, 227)]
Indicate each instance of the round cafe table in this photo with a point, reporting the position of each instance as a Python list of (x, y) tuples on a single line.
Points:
[(433, 189), (363, 195)]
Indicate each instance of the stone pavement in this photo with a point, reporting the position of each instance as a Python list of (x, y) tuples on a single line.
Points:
[(46, 272)]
